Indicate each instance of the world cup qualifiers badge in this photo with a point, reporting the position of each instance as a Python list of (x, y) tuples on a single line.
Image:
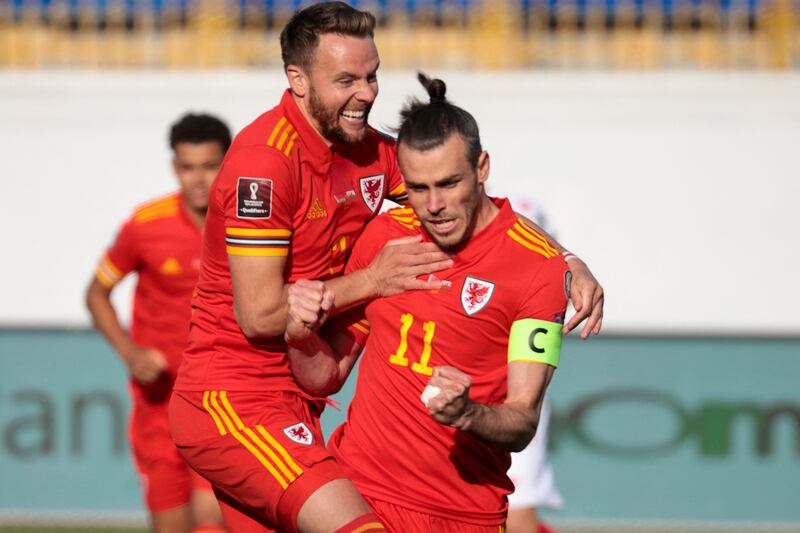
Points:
[(254, 198)]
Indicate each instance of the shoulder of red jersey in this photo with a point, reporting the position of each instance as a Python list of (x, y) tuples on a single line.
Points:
[(392, 224), (270, 130), (160, 208), (528, 241), (403, 217)]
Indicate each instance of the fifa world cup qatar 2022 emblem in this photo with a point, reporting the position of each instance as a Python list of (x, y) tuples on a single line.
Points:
[(254, 198)]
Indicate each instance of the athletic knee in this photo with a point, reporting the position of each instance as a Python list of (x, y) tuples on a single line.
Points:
[(206, 512), (522, 520), (330, 507), (176, 520)]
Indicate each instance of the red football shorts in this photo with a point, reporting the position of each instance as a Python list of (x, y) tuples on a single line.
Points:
[(167, 480), (403, 520), (263, 452)]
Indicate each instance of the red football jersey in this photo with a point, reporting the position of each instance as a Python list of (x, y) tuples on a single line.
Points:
[(393, 449), (162, 244), (280, 192)]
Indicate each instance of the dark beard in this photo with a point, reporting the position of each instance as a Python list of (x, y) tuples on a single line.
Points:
[(328, 120), (472, 217)]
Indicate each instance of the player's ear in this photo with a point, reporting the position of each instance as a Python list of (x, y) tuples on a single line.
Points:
[(483, 167), (298, 81)]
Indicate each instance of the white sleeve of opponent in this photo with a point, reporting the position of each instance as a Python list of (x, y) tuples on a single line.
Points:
[(532, 473)]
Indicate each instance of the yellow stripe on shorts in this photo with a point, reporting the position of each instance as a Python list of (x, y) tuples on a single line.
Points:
[(217, 421), (281, 449), (261, 444), (231, 427)]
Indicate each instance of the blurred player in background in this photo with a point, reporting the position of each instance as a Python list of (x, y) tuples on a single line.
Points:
[(480, 351), (161, 242), (292, 196)]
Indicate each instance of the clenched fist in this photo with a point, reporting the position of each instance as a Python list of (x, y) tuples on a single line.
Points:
[(451, 406), (309, 302)]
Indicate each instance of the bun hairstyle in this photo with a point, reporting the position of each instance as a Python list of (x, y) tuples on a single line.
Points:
[(424, 126), (436, 88)]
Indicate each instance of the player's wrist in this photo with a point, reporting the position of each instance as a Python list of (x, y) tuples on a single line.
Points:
[(295, 341), (569, 256), (368, 280), (129, 351), (467, 420)]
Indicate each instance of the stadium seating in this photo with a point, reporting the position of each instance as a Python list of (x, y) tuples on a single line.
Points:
[(413, 33)]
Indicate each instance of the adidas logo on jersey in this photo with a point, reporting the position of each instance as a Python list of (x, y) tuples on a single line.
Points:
[(317, 210)]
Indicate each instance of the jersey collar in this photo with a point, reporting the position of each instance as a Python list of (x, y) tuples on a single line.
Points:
[(184, 212), (308, 136), (486, 239)]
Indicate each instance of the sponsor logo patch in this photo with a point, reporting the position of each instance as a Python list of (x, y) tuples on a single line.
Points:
[(372, 190), (254, 198), (475, 294), (299, 433)]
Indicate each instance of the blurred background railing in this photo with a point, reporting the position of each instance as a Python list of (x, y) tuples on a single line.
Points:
[(412, 33)]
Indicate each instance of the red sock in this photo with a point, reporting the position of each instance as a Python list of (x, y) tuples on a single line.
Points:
[(368, 523), (543, 528), (209, 528)]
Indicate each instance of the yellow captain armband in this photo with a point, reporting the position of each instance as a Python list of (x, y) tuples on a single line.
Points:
[(535, 341)]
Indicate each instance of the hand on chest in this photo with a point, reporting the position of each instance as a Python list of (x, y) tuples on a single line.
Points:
[(464, 324)]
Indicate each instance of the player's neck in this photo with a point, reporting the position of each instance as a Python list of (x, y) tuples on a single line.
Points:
[(198, 216), (485, 212)]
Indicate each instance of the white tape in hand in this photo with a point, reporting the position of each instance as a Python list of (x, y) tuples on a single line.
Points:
[(429, 393)]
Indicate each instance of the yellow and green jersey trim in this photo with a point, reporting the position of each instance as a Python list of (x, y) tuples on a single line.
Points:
[(535, 341)]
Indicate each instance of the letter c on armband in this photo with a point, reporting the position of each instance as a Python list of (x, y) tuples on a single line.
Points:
[(532, 340), (535, 341)]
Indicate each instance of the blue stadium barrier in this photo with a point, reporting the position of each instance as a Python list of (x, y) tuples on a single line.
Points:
[(442, 11)]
